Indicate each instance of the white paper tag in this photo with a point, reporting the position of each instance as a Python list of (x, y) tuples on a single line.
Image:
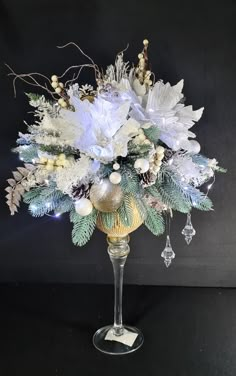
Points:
[(128, 338)]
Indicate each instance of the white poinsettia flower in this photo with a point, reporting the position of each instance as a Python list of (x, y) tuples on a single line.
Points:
[(164, 97), (172, 118), (103, 127), (127, 91)]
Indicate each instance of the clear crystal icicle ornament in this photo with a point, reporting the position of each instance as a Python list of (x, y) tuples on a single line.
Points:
[(188, 231), (168, 253)]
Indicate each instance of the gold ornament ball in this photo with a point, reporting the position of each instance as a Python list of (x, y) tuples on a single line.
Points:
[(106, 197), (119, 229)]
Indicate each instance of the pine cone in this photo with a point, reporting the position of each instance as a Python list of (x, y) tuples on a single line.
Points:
[(147, 179), (81, 191)]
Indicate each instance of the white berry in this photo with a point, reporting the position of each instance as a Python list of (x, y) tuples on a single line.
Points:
[(160, 150), (142, 165), (49, 167), (58, 90), (54, 84), (142, 137), (115, 177), (116, 166), (156, 169), (142, 61), (158, 162), (83, 207), (54, 78), (63, 104)]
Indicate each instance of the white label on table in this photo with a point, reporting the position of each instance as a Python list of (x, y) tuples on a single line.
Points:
[(127, 338)]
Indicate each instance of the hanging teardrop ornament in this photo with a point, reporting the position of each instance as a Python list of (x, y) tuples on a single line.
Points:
[(188, 231), (168, 253)]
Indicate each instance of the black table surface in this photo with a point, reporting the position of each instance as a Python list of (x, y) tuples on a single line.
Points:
[(47, 330)]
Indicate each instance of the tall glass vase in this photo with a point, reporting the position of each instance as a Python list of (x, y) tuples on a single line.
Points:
[(118, 339)]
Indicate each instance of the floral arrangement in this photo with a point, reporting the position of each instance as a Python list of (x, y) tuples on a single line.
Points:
[(93, 150)]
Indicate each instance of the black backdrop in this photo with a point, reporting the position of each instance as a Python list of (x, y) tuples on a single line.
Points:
[(194, 40)]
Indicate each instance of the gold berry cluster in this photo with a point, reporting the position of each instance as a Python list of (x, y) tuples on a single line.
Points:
[(59, 89), (52, 164), (156, 159), (141, 71)]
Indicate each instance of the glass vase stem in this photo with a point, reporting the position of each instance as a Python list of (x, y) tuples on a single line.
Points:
[(118, 251), (118, 339)]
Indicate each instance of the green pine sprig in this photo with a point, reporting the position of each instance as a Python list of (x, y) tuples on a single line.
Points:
[(43, 200), (83, 227), (154, 221), (130, 182), (27, 153), (108, 219), (125, 211)]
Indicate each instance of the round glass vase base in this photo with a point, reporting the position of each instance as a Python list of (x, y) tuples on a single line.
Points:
[(116, 347)]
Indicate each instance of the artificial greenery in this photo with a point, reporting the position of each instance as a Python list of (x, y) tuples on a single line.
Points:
[(140, 150), (27, 153), (108, 219), (42, 200), (152, 133), (154, 221), (58, 149), (83, 227), (43, 105), (33, 96), (130, 182), (178, 195), (125, 211)]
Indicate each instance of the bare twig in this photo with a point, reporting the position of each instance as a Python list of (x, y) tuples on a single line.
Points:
[(30, 80), (81, 51), (93, 65)]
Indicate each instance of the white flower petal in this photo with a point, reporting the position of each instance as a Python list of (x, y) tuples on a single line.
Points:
[(163, 97), (179, 86)]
